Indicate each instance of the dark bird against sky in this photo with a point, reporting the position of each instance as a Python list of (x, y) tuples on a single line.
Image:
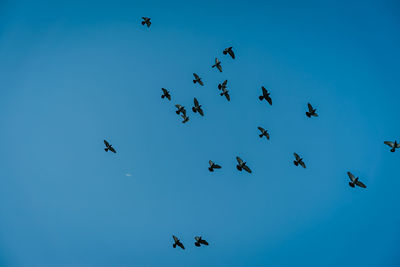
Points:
[(299, 161), (265, 95), (146, 21), (109, 147), (166, 94), (354, 181), (242, 165), (197, 79), (229, 51)]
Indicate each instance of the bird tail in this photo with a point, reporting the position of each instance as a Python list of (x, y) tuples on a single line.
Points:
[(308, 114), (177, 112), (194, 81), (210, 169), (238, 167), (261, 97), (143, 22), (174, 245), (219, 86), (162, 96), (393, 150), (261, 135), (221, 94), (197, 244), (224, 52), (106, 149), (351, 184), (194, 110), (296, 163)]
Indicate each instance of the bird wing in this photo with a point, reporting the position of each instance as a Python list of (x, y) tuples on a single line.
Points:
[(204, 242), (269, 100), (261, 129), (310, 108), (246, 168), (216, 61), (265, 92), (148, 23), (228, 96), (175, 238), (230, 52), (389, 143), (351, 176), (196, 76), (216, 166), (197, 238), (296, 156), (360, 184), (302, 164), (196, 103), (106, 143), (211, 163), (178, 106), (267, 135), (112, 149), (181, 245), (239, 160), (201, 111), (201, 82), (165, 91), (224, 83), (168, 96), (219, 67)]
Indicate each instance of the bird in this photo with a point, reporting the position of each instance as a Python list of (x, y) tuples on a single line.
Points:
[(200, 241), (197, 79), (197, 107), (298, 161), (213, 166), (229, 51), (217, 64), (265, 95), (393, 145), (166, 94), (222, 85), (181, 109), (146, 21), (185, 118), (311, 111), (263, 132), (242, 165), (177, 242), (226, 94), (354, 181), (109, 147)]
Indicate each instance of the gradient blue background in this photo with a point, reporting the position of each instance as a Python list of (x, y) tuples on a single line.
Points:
[(73, 73)]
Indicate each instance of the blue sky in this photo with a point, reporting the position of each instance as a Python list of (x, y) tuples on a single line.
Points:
[(75, 73)]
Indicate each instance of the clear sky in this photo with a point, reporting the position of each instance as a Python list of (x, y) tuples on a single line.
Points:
[(73, 73)]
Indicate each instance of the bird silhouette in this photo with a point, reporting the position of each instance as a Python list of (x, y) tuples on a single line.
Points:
[(200, 241), (177, 242), (146, 21), (109, 147), (213, 166), (242, 165), (229, 51), (226, 94), (263, 132), (180, 109), (393, 145), (197, 79), (166, 94), (217, 64), (298, 161), (185, 118), (265, 95), (197, 107), (311, 111), (354, 181), (222, 85)]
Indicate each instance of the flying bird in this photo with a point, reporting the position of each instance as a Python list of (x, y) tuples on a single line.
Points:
[(185, 118), (217, 64), (242, 165), (354, 181), (146, 21), (298, 161), (197, 107), (197, 79), (213, 166), (109, 147), (177, 242), (200, 241), (181, 109), (166, 94), (265, 95), (229, 51), (393, 145), (263, 132), (222, 85), (226, 94), (311, 111)]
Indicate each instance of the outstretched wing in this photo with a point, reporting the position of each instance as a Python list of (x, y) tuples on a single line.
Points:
[(239, 160), (181, 245), (296, 156), (196, 103), (165, 91), (168, 96), (360, 184), (197, 238), (230, 51), (310, 108), (106, 143), (261, 129), (269, 100), (216, 61), (224, 83), (201, 112), (246, 168), (228, 96), (267, 135), (201, 82), (178, 106), (204, 242), (264, 91), (219, 67), (196, 76), (112, 149), (302, 164), (389, 143), (351, 176), (175, 238), (211, 163)]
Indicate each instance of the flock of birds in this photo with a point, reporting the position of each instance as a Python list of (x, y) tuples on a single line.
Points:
[(241, 165)]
